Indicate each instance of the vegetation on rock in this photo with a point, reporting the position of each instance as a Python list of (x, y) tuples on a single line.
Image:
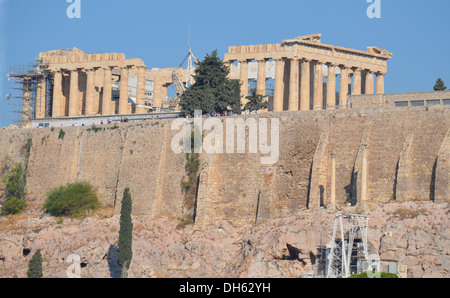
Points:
[(125, 252), (255, 102), (382, 275), (35, 266), (75, 200), (15, 184)]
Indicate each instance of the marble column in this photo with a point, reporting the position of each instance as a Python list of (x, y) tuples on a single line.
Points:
[(331, 86), (343, 89), (165, 93), (305, 88), (58, 96), (123, 99), (279, 86), (318, 86), (357, 81), (40, 99), (26, 100), (380, 83), (73, 94), (293, 85), (140, 93), (244, 80), (90, 92), (107, 106), (261, 79), (369, 82), (157, 91)]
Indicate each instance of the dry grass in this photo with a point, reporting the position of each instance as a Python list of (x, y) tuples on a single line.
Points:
[(105, 211), (185, 221), (138, 227), (405, 213), (11, 222)]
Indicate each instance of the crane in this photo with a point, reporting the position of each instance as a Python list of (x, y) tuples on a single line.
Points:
[(178, 82), (190, 67)]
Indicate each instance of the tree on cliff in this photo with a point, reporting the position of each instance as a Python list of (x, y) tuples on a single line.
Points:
[(125, 252), (15, 185), (213, 91), (439, 86), (35, 266)]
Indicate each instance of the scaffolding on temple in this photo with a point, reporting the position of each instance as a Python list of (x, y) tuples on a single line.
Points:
[(27, 84)]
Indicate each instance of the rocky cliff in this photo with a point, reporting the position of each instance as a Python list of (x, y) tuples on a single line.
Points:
[(415, 234), (407, 160)]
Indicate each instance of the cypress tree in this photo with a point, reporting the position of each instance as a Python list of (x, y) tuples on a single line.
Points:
[(35, 266), (125, 252)]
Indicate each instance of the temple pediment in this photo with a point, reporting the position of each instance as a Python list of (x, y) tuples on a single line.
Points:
[(310, 38), (378, 51)]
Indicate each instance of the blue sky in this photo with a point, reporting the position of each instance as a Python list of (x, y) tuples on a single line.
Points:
[(416, 32)]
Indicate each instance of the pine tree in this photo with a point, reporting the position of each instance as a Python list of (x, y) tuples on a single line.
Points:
[(35, 266), (439, 86), (125, 252), (213, 91), (255, 102)]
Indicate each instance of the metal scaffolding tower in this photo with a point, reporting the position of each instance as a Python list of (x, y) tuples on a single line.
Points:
[(26, 83), (348, 246)]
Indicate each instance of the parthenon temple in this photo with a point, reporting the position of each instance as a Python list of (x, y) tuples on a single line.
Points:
[(299, 66), (306, 74), (79, 84)]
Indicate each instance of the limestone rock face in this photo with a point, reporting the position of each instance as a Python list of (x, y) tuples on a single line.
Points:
[(416, 234)]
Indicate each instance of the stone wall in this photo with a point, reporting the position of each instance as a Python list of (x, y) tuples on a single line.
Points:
[(407, 158), (238, 189), (411, 99), (112, 159)]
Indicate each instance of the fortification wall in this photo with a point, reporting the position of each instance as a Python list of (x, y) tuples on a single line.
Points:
[(134, 155), (407, 157)]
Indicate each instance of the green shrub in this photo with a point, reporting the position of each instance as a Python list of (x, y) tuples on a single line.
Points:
[(74, 199), (94, 128), (61, 134), (26, 148), (12, 206), (15, 184), (192, 167), (189, 184), (382, 275)]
